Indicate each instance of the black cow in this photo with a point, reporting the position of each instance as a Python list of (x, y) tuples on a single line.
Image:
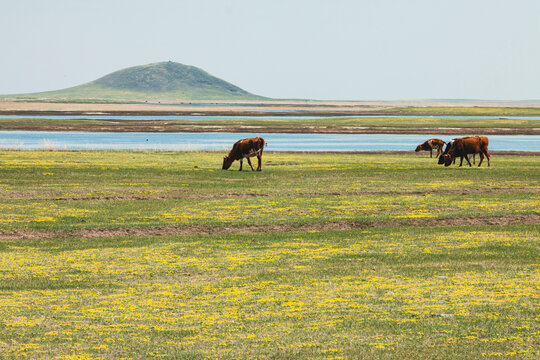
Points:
[(448, 146)]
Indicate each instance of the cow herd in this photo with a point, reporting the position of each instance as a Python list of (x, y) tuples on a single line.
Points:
[(460, 147)]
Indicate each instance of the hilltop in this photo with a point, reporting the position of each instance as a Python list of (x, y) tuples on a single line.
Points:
[(163, 80)]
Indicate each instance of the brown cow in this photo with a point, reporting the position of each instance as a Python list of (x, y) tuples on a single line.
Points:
[(448, 146), (468, 145), (431, 144), (245, 148)]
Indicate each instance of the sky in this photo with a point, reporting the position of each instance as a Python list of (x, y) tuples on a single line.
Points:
[(301, 49)]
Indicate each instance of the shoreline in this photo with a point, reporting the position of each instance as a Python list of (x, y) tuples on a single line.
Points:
[(301, 109), (273, 107), (315, 152), (163, 127), (220, 111)]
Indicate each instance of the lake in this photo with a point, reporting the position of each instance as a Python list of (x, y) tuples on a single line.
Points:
[(71, 140)]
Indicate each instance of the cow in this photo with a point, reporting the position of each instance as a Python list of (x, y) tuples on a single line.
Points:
[(468, 145), (245, 148), (448, 146), (431, 144)]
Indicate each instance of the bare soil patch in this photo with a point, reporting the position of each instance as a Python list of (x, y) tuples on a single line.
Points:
[(185, 195), (530, 219)]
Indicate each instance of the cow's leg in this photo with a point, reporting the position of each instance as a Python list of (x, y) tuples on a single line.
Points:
[(474, 159), (249, 162), (467, 158), (430, 153), (241, 161), (259, 160), (487, 155), (481, 159)]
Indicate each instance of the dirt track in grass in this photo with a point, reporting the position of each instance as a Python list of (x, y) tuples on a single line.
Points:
[(184, 196), (530, 219)]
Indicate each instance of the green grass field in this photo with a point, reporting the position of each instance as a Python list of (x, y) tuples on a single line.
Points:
[(466, 110), (109, 255), (381, 121)]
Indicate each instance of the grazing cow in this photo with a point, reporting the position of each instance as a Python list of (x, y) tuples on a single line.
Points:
[(468, 145), (245, 148), (431, 144), (448, 146)]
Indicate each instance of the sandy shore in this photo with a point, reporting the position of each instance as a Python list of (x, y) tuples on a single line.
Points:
[(238, 108), (194, 108), (275, 107)]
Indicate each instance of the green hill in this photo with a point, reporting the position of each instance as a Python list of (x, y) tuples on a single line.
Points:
[(164, 80)]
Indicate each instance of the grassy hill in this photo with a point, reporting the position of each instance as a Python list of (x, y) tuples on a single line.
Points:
[(164, 80)]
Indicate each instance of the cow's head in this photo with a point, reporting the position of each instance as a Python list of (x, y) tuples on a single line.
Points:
[(227, 162), (447, 158), (418, 148), (441, 160)]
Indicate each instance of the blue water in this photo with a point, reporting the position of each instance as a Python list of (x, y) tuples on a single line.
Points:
[(31, 140), (205, 118)]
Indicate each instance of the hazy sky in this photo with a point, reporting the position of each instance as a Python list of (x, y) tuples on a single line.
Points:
[(333, 49)]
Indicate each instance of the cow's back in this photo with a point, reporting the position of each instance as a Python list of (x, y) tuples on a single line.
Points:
[(468, 145), (472, 144), (237, 146)]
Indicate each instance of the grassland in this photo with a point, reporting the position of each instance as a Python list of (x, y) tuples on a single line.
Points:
[(163, 255), (381, 121), (465, 110)]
